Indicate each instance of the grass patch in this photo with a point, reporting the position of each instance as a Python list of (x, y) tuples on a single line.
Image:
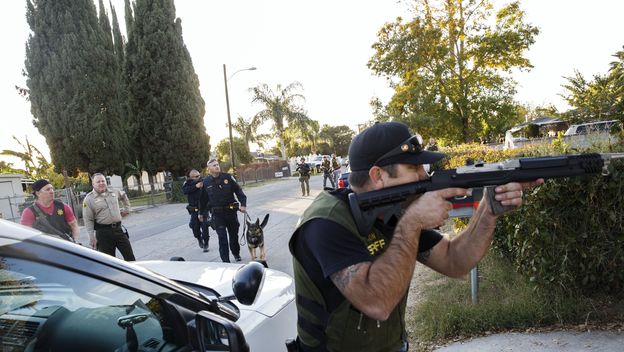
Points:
[(158, 198), (506, 302)]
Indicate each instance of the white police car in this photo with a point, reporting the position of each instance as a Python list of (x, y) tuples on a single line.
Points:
[(60, 296)]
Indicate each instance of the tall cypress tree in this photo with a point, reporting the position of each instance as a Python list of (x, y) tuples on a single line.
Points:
[(73, 98), (165, 106), (117, 39)]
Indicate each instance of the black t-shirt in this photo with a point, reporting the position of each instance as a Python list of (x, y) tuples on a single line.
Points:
[(324, 247)]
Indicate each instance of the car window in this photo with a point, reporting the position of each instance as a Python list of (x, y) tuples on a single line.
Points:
[(43, 307)]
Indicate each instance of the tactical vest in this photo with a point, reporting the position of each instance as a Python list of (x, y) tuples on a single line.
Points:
[(56, 220), (345, 328)]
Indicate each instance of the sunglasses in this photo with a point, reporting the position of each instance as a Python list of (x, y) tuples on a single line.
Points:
[(411, 145)]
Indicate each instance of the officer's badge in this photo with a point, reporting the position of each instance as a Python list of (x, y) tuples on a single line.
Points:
[(225, 182), (60, 212)]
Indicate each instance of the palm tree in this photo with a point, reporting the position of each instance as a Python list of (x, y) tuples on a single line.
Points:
[(311, 135), (35, 163), (281, 109), (135, 170), (247, 129)]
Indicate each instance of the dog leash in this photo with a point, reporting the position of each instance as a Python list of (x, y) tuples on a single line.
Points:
[(243, 237)]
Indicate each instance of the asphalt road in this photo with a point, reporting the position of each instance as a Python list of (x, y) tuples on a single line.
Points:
[(162, 232)]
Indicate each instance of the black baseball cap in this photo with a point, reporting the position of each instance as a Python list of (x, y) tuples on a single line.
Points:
[(386, 143), (38, 185)]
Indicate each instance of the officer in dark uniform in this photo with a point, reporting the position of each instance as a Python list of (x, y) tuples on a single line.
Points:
[(327, 172), (217, 196), (192, 188)]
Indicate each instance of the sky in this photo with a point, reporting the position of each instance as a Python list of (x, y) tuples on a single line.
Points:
[(324, 45)]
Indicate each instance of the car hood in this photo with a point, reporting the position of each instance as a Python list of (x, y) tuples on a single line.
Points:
[(277, 291)]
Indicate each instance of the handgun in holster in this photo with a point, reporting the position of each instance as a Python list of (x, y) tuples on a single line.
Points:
[(192, 209)]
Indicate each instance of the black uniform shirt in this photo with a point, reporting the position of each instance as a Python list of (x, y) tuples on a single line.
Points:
[(192, 193), (323, 248), (219, 192)]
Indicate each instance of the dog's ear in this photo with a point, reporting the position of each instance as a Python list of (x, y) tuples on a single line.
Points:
[(257, 221), (264, 221)]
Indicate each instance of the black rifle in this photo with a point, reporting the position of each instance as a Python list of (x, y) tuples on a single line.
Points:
[(367, 206)]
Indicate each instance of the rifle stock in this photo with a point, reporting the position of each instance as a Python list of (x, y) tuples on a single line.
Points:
[(365, 207)]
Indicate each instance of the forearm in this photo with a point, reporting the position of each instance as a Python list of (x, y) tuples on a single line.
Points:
[(469, 247), (385, 280), (75, 230), (89, 222)]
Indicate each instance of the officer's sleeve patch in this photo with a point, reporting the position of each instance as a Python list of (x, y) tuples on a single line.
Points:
[(84, 204)]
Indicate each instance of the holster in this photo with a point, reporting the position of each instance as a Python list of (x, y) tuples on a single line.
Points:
[(191, 209)]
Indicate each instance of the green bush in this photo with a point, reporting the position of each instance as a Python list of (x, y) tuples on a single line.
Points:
[(177, 196), (570, 233)]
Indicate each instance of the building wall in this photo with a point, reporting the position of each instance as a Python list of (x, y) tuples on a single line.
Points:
[(11, 195)]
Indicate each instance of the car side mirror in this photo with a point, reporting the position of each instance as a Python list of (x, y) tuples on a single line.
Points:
[(215, 333), (247, 282)]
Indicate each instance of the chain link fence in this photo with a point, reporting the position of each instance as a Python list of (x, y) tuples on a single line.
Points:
[(11, 207)]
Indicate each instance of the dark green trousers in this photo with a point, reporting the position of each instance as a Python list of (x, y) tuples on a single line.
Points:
[(109, 239)]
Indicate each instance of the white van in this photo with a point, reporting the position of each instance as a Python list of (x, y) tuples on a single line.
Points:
[(590, 127)]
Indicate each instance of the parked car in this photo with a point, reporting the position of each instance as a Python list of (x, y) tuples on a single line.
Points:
[(60, 296)]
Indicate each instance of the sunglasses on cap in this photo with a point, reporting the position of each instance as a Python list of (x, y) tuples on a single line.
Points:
[(411, 145)]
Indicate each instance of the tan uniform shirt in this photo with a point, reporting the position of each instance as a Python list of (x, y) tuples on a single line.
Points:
[(103, 208)]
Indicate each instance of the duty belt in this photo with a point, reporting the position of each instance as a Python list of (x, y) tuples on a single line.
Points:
[(231, 207), (110, 226)]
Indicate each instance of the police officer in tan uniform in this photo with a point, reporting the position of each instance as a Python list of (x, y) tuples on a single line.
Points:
[(102, 218)]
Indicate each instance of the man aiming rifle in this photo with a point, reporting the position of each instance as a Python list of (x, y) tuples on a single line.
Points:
[(352, 285)]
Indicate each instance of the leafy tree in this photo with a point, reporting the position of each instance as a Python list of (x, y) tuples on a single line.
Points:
[(338, 138), (449, 66), (241, 152), (294, 142), (71, 86), (592, 100), (8, 168), (280, 108), (616, 73), (165, 108)]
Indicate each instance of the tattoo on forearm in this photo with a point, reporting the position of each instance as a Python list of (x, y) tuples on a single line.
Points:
[(343, 277), (423, 256)]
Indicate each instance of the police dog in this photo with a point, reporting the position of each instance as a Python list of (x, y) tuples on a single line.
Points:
[(255, 237)]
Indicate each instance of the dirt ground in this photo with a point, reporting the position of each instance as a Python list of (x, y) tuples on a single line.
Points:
[(421, 279)]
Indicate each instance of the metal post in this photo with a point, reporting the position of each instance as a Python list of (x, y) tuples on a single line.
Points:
[(474, 284), (227, 104)]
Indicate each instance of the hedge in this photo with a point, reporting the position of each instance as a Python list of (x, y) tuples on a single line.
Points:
[(569, 233)]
